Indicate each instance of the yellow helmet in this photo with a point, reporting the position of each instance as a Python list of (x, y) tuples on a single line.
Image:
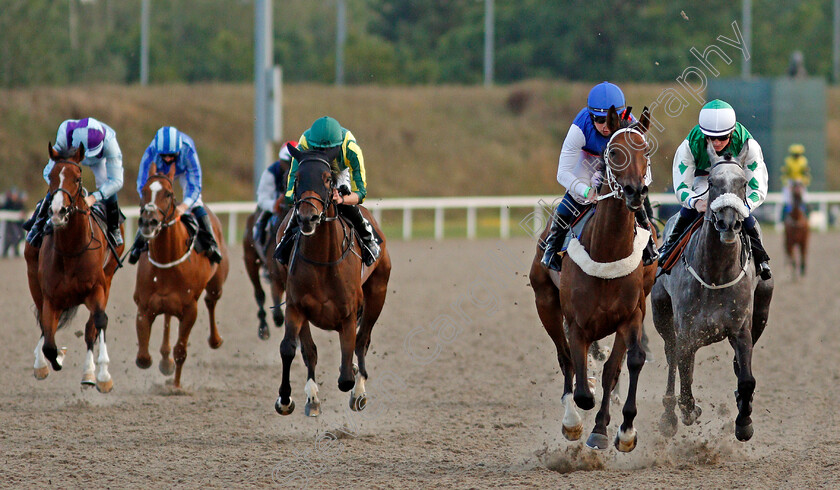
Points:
[(796, 149)]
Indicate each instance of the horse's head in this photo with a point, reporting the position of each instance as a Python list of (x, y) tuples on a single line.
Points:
[(314, 184), (157, 208), (66, 185), (627, 157), (727, 196), (797, 189)]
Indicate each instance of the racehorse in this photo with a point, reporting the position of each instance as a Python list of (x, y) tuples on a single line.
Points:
[(257, 256), (172, 275), (797, 232), (73, 266), (602, 288), (328, 286), (712, 295)]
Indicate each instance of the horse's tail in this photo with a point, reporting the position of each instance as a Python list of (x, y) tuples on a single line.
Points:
[(66, 316)]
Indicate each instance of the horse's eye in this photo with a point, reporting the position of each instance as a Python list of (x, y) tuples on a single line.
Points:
[(612, 153)]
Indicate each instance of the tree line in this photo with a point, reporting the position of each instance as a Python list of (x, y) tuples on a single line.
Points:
[(51, 42)]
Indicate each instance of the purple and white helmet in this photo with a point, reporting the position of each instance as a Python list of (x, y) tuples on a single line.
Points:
[(88, 132)]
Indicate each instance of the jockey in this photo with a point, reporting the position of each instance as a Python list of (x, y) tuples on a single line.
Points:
[(581, 168), (718, 131), (795, 169), (172, 147), (103, 156), (272, 185), (327, 135)]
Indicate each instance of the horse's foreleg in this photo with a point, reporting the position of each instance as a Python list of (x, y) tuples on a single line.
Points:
[(145, 319), (294, 321), (579, 348), (347, 337), (598, 437), (89, 368), (49, 324), (185, 326), (42, 367), (95, 328), (211, 296), (252, 267), (310, 359), (663, 320), (685, 363), (743, 346), (166, 365), (626, 438)]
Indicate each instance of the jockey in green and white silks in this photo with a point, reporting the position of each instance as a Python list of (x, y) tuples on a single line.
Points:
[(719, 132)]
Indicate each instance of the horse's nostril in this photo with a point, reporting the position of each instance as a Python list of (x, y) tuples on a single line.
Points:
[(737, 226), (313, 219)]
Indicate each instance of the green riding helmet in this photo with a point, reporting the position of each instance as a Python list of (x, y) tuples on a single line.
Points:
[(324, 133)]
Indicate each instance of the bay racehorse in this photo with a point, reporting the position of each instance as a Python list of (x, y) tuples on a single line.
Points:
[(74, 266), (328, 286), (797, 232), (602, 288), (257, 257), (711, 295), (171, 275)]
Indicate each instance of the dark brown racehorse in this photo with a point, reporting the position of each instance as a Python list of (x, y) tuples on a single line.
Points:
[(328, 286), (797, 232), (172, 275), (255, 260), (605, 294), (73, 266)]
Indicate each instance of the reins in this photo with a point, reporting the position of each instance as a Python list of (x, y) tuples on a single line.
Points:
[(168, 220), (73, 209)]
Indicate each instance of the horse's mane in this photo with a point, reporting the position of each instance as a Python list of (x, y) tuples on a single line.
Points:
[(67, 153)]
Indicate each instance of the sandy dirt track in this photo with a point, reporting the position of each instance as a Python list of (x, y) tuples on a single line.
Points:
[(465, 392)]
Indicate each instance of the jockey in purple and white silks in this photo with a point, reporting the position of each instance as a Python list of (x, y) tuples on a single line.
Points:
[(172, 147), (103, 156), (581, 169)]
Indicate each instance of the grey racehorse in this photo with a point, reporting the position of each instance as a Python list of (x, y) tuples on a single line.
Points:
[(713, 294)]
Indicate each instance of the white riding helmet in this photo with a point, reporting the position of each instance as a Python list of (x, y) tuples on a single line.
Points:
[(717, 118)]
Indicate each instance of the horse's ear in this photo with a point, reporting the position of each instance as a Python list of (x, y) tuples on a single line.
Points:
[(78, 156), (171, 173), (53, 153), (152, 169), (644, 120), (613, 122), (296, 154)]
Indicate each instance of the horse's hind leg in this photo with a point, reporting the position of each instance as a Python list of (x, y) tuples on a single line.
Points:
[(89, 368), (252, 268), (626, 438), (743, 345), (663, 320), (310, 359), (212, 293), (294, 322), (166, 365), (598, 438), (185, 325), (375, 289)]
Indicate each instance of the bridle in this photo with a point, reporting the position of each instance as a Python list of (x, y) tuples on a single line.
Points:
[(74, 208), (609, 176), (168, 220)]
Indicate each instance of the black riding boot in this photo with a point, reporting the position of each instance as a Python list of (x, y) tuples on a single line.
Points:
[(112, 216), (140, 246), (762, 266), (37, 225), (680, 226), (284, 249), (206, 236), (559, 227), (259, 227), (650, 253), (370, 249)]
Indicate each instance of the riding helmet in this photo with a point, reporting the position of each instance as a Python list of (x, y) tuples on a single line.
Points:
[(604, 95), (717, 118), (168, 141), (324, 133)]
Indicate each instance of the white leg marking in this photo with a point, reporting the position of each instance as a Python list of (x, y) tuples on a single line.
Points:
[(359, 387), (40, 359), (311, 390), (571, 418), (627, 437), (103, 375), (88, 369)]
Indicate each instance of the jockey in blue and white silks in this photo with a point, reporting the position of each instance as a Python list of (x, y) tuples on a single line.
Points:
[(581, 168), (172, 147), (103, 156)]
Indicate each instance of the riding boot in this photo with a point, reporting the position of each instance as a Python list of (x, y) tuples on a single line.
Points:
[(283, 251), (140, 246), (559, 227), (112, 216), (206, 236), (259, 227), (683, 222), (370, 248), (37, 225), (650, 254), (762, 265)]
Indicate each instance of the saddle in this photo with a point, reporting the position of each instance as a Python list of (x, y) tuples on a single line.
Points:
[(679, 248), (100, 217)]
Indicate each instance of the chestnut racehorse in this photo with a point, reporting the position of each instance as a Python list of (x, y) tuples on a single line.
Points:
[(797, 232), (602, 288), (256, 259), (73, 266), (328, 286), (172, 275)]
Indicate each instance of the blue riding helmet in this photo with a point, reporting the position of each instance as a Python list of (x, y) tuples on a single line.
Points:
[(167, 141), (604, 95)]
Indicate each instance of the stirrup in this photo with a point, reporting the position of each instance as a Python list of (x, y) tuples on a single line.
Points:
[(764, 271), (650, 254)]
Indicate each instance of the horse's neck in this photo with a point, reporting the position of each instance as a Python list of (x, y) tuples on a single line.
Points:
[(325, 245), (70, 239), (719, 261), (171, 243), (611, 232)]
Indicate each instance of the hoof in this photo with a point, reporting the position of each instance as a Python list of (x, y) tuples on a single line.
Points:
[(310, 409), (688, 418), (263, 332), (42, 372), (215, 343), (105, 386), (597, 441), (668, 424), (743, 432), (573, 433), (88, 380), (626, 446), (358, 403), (166, 366), (346, 385), (143, 362), (284, 409)]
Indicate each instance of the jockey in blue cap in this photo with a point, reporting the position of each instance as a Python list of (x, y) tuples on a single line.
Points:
[(103, 156), (172, 147), (581, 167)]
